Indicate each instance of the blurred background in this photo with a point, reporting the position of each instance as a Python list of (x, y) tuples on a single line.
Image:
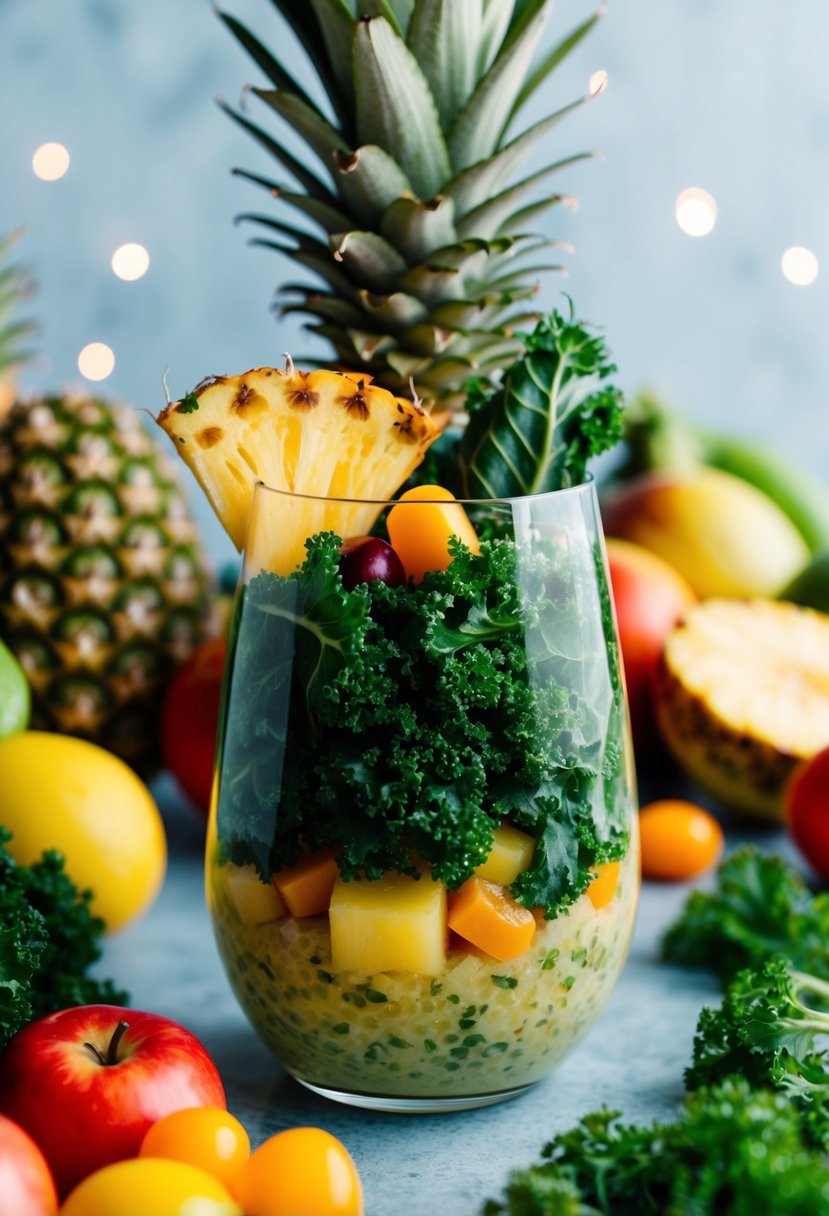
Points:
[(717, 299)]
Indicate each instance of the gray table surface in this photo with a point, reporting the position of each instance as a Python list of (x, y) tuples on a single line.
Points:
[(428, 1165)]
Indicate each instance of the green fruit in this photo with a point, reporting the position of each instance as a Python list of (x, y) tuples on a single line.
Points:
[(15, 700), (810, 587)]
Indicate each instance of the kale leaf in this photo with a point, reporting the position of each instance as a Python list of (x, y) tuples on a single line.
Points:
[(49, 939)]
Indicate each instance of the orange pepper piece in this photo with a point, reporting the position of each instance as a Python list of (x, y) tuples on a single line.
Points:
[(308, 886), (420, 531), (487, 916), (603, 887)]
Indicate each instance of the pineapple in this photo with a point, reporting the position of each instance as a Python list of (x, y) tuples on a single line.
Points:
[(742, 696), (427, 249), (322, 435), (15, 286), (102, 589)]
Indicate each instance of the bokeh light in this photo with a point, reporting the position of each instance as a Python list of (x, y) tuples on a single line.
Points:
[(597, 82), (50, 162), (696, 211), (799, 265), (130, 262), (96, 361)]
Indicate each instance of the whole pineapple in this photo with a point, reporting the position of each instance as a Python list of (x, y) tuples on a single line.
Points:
[(426, 246), (15, 286), (102, 589)]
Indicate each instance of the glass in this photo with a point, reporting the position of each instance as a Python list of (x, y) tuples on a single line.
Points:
[(478, 715)]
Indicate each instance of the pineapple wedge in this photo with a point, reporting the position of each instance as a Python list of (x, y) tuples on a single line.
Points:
[(397, 923), (742, 695), (323, 435)]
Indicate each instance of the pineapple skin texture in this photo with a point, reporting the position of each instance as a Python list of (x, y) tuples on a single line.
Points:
[(396, 923), (103, 588)]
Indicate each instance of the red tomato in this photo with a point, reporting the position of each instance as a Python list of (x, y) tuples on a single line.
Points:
[(26, 1186), (190, 717), (807, 810)]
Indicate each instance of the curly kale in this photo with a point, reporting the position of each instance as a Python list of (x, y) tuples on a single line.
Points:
[(403, 723), (49, 938), (733, 1151)]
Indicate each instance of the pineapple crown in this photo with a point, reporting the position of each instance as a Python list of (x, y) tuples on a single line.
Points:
[(425, 246), (16, 285)]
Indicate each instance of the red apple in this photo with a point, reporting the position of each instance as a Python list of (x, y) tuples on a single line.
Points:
[(650, 597), (26, 1186), (190, 718), (87, 1083)]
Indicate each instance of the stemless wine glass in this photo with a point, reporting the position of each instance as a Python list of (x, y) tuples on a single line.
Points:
[(404, 771)]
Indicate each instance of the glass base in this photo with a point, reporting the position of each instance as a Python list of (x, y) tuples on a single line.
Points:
[(414, 1106)]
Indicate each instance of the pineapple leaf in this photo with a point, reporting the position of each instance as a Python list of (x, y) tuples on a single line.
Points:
[(369, 259), (369, 181), (480, 127), (324, 267), (403, 9), (382, 8), (304, 240), (307, 121), (272, 68), (416, 229), (336, 22), (395, 107), (395, 311), (443, 37), (295, 167), (537, 431), (496, 18), (303, 19), (487, 220), (554, 58), (332, 219), (322, 304)]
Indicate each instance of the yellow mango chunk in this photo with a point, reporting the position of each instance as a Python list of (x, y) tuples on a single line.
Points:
[(256, 902), (603, 887), (397, 923), (511, 854), (420, 533)]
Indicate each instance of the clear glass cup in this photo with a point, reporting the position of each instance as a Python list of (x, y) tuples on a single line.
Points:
[(370, 732)]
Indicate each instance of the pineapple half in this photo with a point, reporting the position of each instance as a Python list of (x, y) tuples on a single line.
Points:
[(423, 240), (323, 436), (742, 696), (103, 590)]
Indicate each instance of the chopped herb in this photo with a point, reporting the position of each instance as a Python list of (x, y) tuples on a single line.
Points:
[(188, 404), (504, 981)]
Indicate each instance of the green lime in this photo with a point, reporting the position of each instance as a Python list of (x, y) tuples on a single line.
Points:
[(14, 694)]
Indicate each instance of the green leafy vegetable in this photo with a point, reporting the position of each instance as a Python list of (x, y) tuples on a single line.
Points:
[(552, 414), (405, 722), (48, 941), (733, 1151)]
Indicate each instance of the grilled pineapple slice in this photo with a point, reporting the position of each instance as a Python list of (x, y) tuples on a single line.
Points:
[(320, 435), (742, 695)]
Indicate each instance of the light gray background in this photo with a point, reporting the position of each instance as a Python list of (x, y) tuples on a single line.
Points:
[(731, 95)]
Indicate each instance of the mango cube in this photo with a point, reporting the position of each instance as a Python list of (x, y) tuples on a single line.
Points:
[(511, 854), (396, 923), (256, 902), (420, 530)]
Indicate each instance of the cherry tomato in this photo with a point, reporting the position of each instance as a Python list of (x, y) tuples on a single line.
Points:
[(301, 1172), (679, 840), (189, 719), (206, 1136), (26, 1186), (807, 810), (148, 1186)]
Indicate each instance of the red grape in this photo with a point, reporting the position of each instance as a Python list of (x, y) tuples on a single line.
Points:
[(368, 558)]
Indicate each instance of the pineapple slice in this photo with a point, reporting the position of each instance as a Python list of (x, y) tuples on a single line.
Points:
[(742, 695), (511, 853), (320, 434), (397, 923)]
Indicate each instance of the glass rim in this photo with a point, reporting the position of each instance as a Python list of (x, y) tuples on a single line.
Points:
[(586, 486)]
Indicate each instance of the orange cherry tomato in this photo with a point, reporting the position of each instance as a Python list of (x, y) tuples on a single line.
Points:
[(304, 1171), (679, 840), (807, 810), (206, 1136)]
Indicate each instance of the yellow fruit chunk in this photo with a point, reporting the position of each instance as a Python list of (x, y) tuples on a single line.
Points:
[(488, 917), (150, 1186), (511, 853), (603, 887), (306, 887), (58, 792), (421, 530), (256, 902), (397, 923)]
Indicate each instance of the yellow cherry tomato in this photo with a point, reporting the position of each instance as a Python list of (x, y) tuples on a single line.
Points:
[(301, 1172), (57, 792), (678, 840), (147, 1186), (205, 1136)]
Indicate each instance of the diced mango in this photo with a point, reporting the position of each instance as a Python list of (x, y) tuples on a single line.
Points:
[(486, 915), (511, 853), (420, 533), (396, 923), (603, 887), (256, 902), (307, 886)]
